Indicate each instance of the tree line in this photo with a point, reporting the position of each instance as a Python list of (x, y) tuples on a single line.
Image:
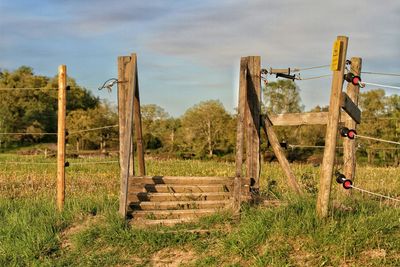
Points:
[(205, 130)]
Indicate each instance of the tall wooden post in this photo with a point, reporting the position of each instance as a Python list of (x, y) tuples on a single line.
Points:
[(62, 95), (138, 120), (349, 146), (253, 118), (126, 82), (240, 134), (338, 67)]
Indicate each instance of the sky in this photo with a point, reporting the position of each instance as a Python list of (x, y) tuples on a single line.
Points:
[(189, 51)]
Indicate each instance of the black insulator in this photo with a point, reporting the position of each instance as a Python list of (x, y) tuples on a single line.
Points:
[(340, 178), (344, 131), (287, 76), (349, 77), (68, 88), (283, 145), (66, 164)]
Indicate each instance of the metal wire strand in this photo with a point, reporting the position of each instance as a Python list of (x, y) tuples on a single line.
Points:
[(310, 68), (93, 162), (28, 133), (363, 84), (377, 139), (26, 88), (93, 129), (312, 78), (28, 163), (375, 194), (381, 73)]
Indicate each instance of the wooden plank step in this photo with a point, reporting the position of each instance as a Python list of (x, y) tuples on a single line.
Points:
[(173, 214), (180, 205), (176, 188), (167, 222), (142, 196), (192, 180)]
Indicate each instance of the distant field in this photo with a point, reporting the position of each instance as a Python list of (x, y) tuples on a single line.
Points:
[(362, 231)]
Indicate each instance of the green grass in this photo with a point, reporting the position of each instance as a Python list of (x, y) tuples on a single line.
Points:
[(361, 231)]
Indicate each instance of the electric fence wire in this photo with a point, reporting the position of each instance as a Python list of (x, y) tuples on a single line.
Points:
[(72, 132), (310, 68), (363, 84), (375, 194), (299, 78), (381, 73), (377, 139), (55, 163)]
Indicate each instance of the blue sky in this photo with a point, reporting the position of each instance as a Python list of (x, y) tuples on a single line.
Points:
[(189, 51)]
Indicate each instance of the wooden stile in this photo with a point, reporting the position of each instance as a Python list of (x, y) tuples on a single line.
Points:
[(332, 129), (62, 95)]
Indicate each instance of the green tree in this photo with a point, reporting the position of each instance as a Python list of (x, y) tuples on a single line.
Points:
[(80, 120), (282, 96), (204, 128), (36, 110), (154, 123)]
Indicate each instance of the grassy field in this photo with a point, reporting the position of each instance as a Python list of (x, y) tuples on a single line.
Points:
[(361, 231)]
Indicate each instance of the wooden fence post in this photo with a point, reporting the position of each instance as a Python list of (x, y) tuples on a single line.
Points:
[(253, 118), (338, 67), (240, 134), (349, 146), (126, 83), (138, 120), (62, 95)]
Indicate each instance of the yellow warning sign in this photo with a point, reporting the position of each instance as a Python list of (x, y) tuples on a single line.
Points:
[(336, 55)]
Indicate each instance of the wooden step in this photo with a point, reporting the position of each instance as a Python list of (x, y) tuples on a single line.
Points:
[(182, 180), (142, 196), (180, 205), (176, 188), (172, 214), (168, 222)]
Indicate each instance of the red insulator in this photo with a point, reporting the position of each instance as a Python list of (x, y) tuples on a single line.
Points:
[(356, 80), (351, 134), (347, 184)]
